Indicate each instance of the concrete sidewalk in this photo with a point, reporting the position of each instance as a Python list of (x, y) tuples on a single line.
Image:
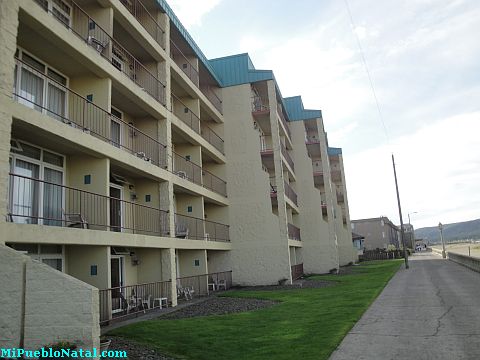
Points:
[(431, 311)]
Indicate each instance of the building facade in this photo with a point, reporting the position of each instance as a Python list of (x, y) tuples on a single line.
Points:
[(379, 232), (127, 157)]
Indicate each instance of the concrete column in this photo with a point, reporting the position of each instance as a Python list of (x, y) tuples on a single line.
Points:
[(279, 178), (8, 43), (169, 272)]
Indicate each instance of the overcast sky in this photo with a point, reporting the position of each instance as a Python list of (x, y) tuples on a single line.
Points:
[(424, 60)]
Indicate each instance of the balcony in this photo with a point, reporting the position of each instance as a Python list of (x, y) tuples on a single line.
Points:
[(183, 63), (290, 193), (140, 12), (213, 138), (297, 271), (287, 157), (188, 227), (189, 287), (122, 302), (260, 105), (310, 140), (340, 197), (33, 201), (336, 175), (318, 179), (68, 107), (324, 209), (211, 95), (187, 115), (81, 24), (193, 122), (190, 171), (293, 232), (283, 120)]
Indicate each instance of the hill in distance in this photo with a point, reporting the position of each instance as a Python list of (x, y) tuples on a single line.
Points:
[(465, 230)]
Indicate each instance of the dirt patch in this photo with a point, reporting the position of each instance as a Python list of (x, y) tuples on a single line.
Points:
[(135, 350), (298, 284)]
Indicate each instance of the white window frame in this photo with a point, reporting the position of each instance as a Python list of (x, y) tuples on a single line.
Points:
[(52, 6), (41, 175), (122, 209), (48, 81), (40, 257), (115, 119)]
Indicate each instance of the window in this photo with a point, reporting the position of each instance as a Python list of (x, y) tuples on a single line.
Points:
[(116, 127), (40, 87), (32, 201), (61, 11), (51, 255)]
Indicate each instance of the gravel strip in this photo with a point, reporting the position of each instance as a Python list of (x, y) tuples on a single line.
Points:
[(135, 350), (219, 306)]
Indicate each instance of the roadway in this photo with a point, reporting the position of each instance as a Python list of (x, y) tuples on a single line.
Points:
[(431, 311)]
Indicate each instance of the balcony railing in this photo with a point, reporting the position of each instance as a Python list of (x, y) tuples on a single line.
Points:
[(186, 115), (311, 140), (287, 157), (297, 271), (188, 170), (202, 285), (183, 63), (284, 121), (126, 301), (33, 201), (336, 175), (290, 193), (67, 106), (189, 227), (81, 24), (293, 232), (140, 12), (213, 138), (259, 104), (211, 95)]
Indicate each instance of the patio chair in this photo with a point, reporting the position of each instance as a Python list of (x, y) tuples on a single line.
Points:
[(181, 231), (75, 220), (146, 302), (221, 283)]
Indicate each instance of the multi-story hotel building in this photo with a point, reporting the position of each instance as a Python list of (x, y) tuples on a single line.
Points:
[(127, 157)]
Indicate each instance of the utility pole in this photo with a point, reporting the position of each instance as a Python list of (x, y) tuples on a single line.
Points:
[(405, 253), (440, 227)]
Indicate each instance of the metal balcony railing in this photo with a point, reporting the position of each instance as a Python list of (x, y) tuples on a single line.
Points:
[(259, 104), (65, 105), (189, 227), (81, 24), (213, 138), (336, 175), (125, 301), (283, 120), (183, 63), (140, 12), (188, 170), (293, 232), (340, 197), (290, 193), (211, 95), (287, 157), (33, 201), (297, 271), (202, 285), (186, 115)]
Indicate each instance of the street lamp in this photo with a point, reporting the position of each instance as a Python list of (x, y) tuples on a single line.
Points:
[(415, 212), (440, 227)]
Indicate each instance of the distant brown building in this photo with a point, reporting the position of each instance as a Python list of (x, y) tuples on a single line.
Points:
[(378, 232)]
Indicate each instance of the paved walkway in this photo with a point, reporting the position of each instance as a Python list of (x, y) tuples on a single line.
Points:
[(431, 311)]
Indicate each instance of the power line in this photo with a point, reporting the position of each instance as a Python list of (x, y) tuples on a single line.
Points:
[(352, 24)]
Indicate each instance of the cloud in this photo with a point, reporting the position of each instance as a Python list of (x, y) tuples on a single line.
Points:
[(191, 12), (437, 168)]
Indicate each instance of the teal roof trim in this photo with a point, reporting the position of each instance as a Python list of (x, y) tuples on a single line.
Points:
[(296, 111), (334, 151), (238, 69), (188, 38)]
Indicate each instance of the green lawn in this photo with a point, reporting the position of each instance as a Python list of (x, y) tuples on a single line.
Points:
[(306, 324)]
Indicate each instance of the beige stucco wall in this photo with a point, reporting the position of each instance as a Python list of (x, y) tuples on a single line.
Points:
[(260, 253), (79, 259), (150, 267), (186, 259), (8, 35), (319, 254), (43, 305), (218, 261)]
